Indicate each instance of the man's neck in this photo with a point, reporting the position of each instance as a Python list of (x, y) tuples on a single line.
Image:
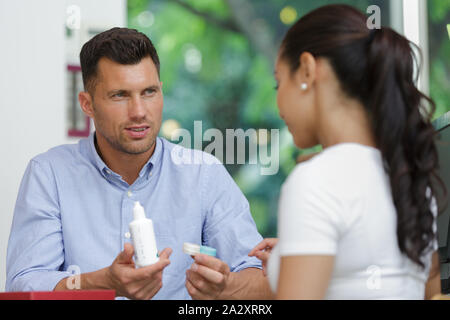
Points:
[(126, 165)]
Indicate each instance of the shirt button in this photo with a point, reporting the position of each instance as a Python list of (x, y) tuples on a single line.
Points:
[(129, 193), (127, 235)]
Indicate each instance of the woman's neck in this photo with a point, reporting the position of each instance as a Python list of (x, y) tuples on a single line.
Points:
[(346, 122)]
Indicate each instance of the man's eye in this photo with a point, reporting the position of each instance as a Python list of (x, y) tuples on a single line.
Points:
[(150, 91), (118, 95)]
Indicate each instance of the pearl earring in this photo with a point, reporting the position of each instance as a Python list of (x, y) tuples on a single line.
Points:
[(304, 86)]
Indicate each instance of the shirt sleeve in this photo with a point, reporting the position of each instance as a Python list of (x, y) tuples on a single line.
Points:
[(310, 216), (228, 223), (35, 252)]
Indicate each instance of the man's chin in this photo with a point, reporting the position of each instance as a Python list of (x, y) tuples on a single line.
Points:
[(137, 147)]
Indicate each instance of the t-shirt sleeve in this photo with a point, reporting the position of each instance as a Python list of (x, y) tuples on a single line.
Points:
[(310, 218)]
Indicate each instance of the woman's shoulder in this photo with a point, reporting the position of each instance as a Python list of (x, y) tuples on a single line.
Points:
[(339, 167)]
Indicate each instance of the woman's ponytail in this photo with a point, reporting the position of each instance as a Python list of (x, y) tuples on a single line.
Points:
[(404, 133)]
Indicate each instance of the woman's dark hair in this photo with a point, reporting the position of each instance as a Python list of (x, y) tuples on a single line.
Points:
[(122, 45), (377, 68)]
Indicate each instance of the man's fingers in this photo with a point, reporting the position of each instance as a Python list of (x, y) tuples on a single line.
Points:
[(150, 271), (151, 288), (126, 256), (211, 262), (194, 292), (207, 277), (198, 287), (190, 288), (208, 274), (165, 254)]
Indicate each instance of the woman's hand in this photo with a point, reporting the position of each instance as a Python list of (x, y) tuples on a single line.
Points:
[(262, 251)]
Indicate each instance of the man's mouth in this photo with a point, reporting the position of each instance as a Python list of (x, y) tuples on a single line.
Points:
[(137, 128), (137, 131)]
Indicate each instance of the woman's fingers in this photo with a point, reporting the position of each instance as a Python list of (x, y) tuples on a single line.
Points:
[(262, 251), (263, 256), (266, 244)]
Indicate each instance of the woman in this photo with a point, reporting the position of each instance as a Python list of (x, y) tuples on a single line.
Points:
[(356, 221)]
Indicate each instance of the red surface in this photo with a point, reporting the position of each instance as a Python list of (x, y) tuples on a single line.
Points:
[(60, 295)]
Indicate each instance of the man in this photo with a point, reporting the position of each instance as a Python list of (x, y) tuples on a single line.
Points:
[(75, 201)]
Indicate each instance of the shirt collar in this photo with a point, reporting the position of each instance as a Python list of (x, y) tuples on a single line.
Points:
[(107, 172)]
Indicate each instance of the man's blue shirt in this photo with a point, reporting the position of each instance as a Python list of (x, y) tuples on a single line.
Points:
[(72, 213)]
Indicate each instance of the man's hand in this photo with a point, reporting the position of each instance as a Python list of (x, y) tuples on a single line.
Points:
[(207, 277), (142, 283), (262, 251)]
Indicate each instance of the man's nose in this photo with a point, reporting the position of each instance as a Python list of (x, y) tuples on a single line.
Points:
[(136, 108)]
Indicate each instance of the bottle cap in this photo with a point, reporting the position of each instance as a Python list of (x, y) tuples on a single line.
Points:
[(208, 250), (138, 211), (191, 249)]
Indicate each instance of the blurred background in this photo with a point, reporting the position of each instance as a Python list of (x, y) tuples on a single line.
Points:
[(217, 60)]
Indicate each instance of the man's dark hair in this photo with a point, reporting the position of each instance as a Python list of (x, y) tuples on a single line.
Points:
[(122, 45)]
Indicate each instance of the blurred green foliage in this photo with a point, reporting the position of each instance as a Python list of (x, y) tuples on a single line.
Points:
[(232, 86), (439, 18)]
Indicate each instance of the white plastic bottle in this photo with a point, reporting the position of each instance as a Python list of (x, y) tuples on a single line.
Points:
[(143, 236)]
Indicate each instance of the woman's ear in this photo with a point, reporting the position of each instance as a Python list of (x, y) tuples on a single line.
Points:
[(306, 73), (85, 100)]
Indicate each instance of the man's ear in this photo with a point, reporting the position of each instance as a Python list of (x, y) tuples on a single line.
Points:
[(306, 72), (85, 100)]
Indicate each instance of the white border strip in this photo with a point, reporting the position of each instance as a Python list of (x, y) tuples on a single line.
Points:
[(415, 28)]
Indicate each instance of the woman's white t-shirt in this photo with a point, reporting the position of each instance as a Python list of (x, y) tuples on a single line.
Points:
[(340, 203)]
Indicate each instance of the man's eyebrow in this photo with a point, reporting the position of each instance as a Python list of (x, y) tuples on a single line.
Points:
[(152, 87), (116, 91)]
